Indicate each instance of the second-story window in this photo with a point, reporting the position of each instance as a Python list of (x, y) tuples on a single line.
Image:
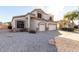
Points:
[(50, 18), (39, 15)]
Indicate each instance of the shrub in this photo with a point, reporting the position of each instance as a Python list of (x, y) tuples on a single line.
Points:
[(71, 29), (32, 31), (68, 29), (9, 27), (76, 27), (23, 30)]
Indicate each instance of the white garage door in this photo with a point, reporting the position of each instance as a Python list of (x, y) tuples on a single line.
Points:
[(52, 27), (41, 27)]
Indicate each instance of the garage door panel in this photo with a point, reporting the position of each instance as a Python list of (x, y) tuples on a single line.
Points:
[(41, 27), (52, 27)]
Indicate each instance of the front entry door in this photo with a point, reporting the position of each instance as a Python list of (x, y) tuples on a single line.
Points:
[(20, 24)]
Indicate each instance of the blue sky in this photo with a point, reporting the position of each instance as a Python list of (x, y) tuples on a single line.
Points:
[(7, 12)]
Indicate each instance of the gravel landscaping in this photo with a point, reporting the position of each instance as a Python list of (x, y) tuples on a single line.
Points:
[(67, 42), (27, 42), (66, 45)]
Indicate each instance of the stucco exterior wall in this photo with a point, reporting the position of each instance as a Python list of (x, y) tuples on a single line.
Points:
[(35, 12), (37, 22), (44, 16), (13, 24), (34, 24)]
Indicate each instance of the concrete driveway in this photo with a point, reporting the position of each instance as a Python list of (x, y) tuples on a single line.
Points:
[(69, 35), (27, 42)]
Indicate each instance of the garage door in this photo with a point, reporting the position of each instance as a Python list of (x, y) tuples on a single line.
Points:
[(41, 27), (51, 27)]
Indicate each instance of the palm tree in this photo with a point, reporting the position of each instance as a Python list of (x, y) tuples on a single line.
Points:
[(78, 16), (71, 16)]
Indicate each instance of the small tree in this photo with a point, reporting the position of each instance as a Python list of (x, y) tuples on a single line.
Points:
[(9, 25), (71, 16)]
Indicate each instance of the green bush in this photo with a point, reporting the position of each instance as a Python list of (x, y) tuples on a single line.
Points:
[(23, 30), (9, 27), (76, 27), (32, 31), (68, 29)]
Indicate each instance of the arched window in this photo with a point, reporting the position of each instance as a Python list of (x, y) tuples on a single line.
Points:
[(39, 15)]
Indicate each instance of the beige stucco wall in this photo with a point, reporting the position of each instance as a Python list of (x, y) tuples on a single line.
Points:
[(47, 17), (34, 24), (35, 12)]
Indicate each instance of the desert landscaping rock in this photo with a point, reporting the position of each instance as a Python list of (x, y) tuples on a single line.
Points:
[(66, 44), (27, 42), (52, 41)]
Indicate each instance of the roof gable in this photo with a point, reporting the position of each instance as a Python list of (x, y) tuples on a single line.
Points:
[(39, 10)]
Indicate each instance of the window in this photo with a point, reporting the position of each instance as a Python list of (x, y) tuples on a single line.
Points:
[(32, 17), (39, 15), (20, 24), (50, 18)]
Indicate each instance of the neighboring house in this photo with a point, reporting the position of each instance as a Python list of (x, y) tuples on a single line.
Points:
[(36, 20)]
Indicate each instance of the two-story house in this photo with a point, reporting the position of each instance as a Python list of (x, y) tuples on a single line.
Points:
[(36, 20)]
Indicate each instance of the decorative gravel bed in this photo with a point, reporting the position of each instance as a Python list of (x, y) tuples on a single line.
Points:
[(26, 42)]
